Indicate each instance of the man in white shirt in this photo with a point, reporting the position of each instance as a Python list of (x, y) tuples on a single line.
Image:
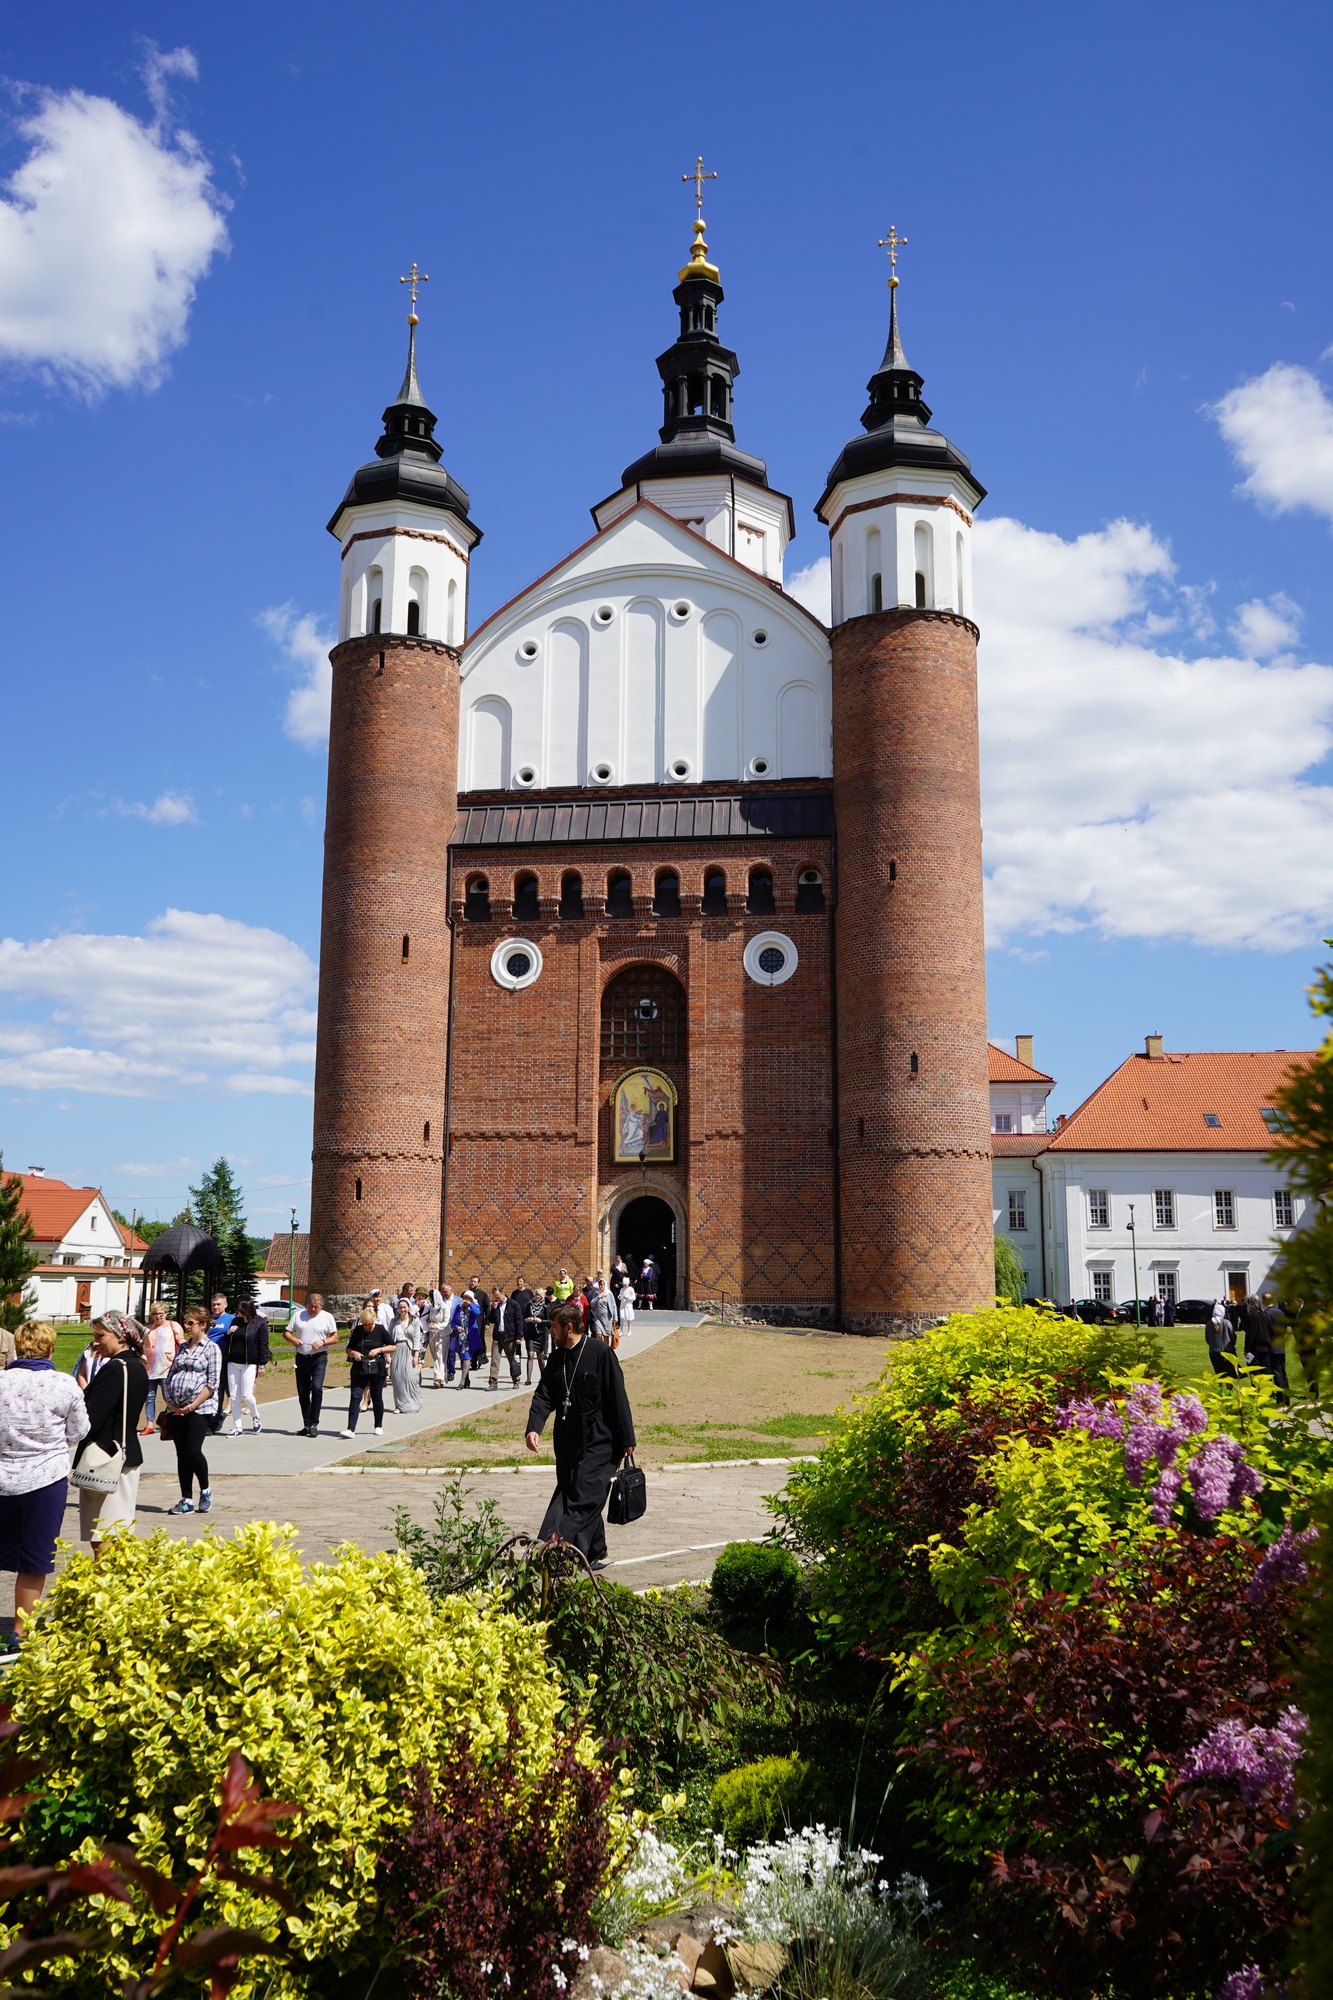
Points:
[(311, 1331)]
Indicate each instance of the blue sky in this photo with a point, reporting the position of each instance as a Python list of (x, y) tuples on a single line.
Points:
[(1117, 286)]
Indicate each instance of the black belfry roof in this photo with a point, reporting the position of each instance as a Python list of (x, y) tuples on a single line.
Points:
[(406, 465), (897, 425)]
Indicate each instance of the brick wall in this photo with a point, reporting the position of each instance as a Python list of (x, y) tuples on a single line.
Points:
[(914, 1148), (531, 1180), (381, 1049)]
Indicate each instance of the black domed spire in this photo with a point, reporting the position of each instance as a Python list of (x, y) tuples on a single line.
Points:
[(897, 417), (698, 374), (407, 465)]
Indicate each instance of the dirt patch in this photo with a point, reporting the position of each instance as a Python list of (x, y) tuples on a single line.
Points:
[(707, 1392)]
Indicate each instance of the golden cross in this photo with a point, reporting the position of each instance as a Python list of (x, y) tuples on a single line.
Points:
[(414, 278), (699, 177), (893, 243)]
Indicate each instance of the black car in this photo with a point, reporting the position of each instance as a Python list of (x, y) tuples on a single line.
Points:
[(1125, 1312), (1095, 1312), (1193, 1312)]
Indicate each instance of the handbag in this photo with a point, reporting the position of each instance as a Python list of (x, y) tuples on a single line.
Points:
[(99, 1471), (629, 1493), (166, 1423)]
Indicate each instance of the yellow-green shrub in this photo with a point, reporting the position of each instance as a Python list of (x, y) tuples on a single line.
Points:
[(144, 1671)]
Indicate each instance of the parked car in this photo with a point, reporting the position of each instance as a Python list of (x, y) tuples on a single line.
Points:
[(1095, 1312), (1125, 1312), (275, 1311), (1193, 1312)]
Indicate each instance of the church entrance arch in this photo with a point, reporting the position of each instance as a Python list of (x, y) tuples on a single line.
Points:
[(637, 1222)]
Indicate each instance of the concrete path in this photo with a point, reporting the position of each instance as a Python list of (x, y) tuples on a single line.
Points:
[(280, 1448)]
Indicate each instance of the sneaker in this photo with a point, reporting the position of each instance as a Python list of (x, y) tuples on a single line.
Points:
[(258, 1427), (232, 1433), (182, 1507), (347, 1434), (379, 1431), (206, 1501)]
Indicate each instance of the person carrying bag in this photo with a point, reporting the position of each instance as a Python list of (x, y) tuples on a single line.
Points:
[(629, 1494), (108, 1462)]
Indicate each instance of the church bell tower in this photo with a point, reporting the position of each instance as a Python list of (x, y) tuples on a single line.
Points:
[(384, 963), (913, 1100)]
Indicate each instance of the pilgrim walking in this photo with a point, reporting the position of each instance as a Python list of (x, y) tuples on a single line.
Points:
[(583, 1388)]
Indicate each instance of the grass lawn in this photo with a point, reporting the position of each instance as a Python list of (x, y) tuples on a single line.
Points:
[(705, 1392), (1186, 1353)]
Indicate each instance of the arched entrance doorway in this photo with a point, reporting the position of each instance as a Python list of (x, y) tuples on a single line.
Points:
[(649, 1223)]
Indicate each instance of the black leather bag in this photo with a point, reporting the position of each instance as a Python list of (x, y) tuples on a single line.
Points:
[(629, 1494)]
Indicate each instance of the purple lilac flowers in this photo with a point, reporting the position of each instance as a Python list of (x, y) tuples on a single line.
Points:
[(1247, 1984), (1221, 1478), (1282, 1562), (1153, 1431), (1253, 1758)]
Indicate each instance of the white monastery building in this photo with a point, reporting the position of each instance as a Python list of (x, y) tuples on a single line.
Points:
[(1168, 1160), (87, 1257)]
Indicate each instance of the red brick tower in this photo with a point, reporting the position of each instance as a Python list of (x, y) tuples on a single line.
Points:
[(384, 974), (913, 1108)]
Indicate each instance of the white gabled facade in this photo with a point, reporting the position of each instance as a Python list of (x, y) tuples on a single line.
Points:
[(86, 1261), (751, 523), (910, 533), (398, 556), (649, 657)]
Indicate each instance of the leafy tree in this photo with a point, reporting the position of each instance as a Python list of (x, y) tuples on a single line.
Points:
[(1011, 1281), (18, 1260), (150, 1231), (217, 1203), (239, 1269), (1305, 1108)]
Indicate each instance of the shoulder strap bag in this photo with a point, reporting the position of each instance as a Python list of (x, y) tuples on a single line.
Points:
[(99, 1471), (629, 1493)]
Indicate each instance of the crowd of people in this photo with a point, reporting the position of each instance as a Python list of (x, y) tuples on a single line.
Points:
[(1253, 1327)]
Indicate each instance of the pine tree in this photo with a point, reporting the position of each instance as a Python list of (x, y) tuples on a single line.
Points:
[(18, 1260), (216, 1204), (240, 1268)]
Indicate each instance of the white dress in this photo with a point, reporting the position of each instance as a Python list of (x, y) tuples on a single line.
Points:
[(626, 1308)]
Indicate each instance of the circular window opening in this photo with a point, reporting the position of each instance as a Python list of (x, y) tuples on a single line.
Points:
[(810, 875), (526, 775), (646, 1009), (604, 614), (681, 610), (759, 766), (515, 964), (602, 773), (760, 637), (518, 963), (771, 959), (529, 649), (681, 768)]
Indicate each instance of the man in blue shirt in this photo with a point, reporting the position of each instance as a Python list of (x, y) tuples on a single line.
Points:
[(218, 1324)]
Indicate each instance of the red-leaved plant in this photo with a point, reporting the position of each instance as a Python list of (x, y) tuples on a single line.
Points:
[(493, 1885), (245, 1820), (1126, 1760)]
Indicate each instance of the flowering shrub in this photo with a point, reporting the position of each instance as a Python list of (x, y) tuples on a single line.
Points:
[(492, 1883), (334, 1686)]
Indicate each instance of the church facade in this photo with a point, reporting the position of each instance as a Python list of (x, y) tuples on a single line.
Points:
[(682, 948)]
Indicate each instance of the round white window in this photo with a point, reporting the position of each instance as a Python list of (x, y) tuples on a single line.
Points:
[(770, 958), (760, 767), (525, 775), (515, 964), (529, 650), (679, 768), (603, 614), (602, 774)]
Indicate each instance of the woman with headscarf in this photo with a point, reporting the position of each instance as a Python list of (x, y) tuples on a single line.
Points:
[(115, 1398), (403, 1366), (42, 1413)]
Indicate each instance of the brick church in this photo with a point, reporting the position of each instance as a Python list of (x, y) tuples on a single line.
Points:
[(674, 941)]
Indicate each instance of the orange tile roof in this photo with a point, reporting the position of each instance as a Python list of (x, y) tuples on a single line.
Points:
[(1005, 1068), (1018, 1145), (1163, 1104), (279, 1256), (52, 1207), (131, 1238)]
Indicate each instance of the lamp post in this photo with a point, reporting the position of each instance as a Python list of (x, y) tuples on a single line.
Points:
[(291, 1273), (1134, 1246)]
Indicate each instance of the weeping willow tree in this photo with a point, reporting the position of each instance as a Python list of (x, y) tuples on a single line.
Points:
[(1011, 1282)]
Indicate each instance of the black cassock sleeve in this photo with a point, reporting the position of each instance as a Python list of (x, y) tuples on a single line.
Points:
[(616, 1403)]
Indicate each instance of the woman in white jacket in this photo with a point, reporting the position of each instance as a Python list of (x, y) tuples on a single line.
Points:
[(42, 1413)]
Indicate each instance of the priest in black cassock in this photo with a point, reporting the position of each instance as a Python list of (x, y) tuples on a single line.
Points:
[(583, 1387)]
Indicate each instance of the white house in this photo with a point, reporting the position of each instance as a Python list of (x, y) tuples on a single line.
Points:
[(1159, 1185), (87, 1257)]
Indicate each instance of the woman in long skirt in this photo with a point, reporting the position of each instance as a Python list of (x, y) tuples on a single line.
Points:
[(626, 1307), (403, 1367)]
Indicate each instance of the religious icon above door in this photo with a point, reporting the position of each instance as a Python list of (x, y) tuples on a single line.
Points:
[(643, 1107)]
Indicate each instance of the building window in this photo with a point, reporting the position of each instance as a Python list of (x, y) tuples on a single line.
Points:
[(643, 1016), (527, 905), (715, 894), (358, 1190), (620, 896), (1166, 1286), (1004, 1121), (1018, 1209), (1224, 1208), (1164, 1208), (1103, 1287), (92, 1222), (759, 902), (1212, 1121), (1099, 1208), (571, 896), (1284, 1210), (666, 895), (477, 901), (809, 892)]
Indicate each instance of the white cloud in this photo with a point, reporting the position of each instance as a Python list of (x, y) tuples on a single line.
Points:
[(307, 647), (1280, 429), (106, 229), (198, 1004), (1127, 788), (167, 809), (1266, 626), (153, 1170), (813, 588)]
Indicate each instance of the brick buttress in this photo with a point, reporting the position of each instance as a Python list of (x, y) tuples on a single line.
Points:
[(384, 964), (913, 1109)]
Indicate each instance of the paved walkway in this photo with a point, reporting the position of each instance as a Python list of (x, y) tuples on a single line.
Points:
[(280, 1447)]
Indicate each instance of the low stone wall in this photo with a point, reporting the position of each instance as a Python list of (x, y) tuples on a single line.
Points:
[(758, 1312)]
